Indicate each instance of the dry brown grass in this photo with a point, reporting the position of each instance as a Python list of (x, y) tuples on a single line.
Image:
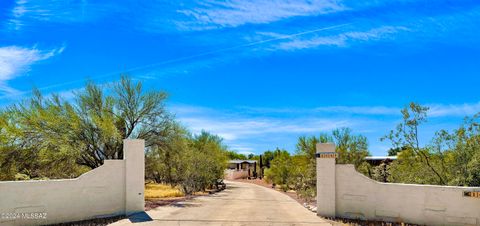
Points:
[(158, 191)]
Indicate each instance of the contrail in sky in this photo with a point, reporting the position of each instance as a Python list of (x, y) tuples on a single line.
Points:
[(180, 59)]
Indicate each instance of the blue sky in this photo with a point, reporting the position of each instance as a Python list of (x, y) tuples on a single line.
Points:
[(259, 73)]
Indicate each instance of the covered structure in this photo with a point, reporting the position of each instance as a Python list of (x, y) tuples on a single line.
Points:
[(241, 169), (377, 160)]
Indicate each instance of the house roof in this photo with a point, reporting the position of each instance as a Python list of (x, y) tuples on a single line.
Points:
[(379, 158), (242, 161)]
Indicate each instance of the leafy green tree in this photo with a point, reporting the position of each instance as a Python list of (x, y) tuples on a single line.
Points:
[(459, 153), (406, 136), (232, 155), (38, 139), (381, 172), (449, 159), (192, 162), (351, 149), (395, 151), (280, 170), (305, 178), (203, 163), (299, 171), (47, 137), (105, 120), (50, 137), (268, 156), (163, 159)]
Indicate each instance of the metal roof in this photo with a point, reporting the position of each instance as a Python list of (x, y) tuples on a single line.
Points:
[(380, 157)]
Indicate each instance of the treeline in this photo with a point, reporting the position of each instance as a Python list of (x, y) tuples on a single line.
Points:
[(49, 137), (451, 158), (192, 162), (298, 171)]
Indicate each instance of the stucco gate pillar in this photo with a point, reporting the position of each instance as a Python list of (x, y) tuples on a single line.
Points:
[(326, 179), (134, 156)]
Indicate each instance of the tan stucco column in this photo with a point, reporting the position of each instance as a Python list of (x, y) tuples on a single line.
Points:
[(326, 180), (134, 156)]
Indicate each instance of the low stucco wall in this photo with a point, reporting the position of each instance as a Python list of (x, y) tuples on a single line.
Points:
[(344, 192), (95, 194), (357, 196), (235, 174)]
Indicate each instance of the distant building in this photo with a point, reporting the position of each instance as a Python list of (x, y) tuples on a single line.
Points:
[(241, 169), (377, 160)]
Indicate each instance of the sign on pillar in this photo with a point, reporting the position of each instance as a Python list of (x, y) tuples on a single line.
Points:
[(326, 156)]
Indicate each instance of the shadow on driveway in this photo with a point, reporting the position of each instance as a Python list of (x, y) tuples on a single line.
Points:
[(140, 217)]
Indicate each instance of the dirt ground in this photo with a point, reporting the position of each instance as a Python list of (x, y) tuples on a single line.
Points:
[(154, 203)]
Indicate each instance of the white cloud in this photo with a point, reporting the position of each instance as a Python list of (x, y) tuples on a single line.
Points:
[(362, 110), (234, 128), (15, 61), (217, 14), (240, 129), (435, 110), (460, 110), (357, 110), (68, 95), (237, 128), (28, 12), (241, 148), (340, 40)]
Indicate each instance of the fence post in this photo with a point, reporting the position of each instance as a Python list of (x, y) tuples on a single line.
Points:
[(134, 157), (326, 179)]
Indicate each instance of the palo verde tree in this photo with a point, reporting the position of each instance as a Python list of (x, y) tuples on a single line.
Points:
[(406, 136), (304, 167), (126, 112), (51, 137), (164, 158), (203, 162), (280, 171), (449, 159), (351, 148), (37, 139)]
